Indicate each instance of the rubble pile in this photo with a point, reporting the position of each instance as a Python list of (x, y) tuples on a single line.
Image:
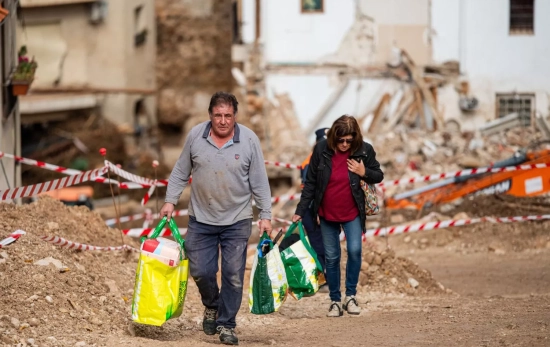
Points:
[(410, 153), (53, 296), (195, 33), (382, 271), (483, 237)]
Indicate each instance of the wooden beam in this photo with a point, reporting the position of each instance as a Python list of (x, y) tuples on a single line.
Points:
[(418, 79), (333, 98), (420, 108), (258, 19), (98, 90), (377, 118)]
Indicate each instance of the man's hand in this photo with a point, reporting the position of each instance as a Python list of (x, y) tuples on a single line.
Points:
[(265, 225), (167, 210), (296, 218)]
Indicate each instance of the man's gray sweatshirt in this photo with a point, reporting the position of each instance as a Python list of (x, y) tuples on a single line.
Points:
[(224, 179)]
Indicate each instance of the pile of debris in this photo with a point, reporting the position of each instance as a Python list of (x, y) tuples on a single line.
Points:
[(481, 237), (384, 272), (412, 153), (54, 296)]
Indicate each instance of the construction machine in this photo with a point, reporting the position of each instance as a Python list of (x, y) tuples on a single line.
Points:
[(73, 196), (520, 183)]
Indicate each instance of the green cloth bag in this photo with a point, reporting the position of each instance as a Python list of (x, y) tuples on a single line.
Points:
[(303, 270), (268, 285)]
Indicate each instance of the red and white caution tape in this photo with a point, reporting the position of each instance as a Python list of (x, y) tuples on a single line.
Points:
[(280, 220), (139, 232), (451, 223), (12, 238), (148, 218), (139, 216), (436, 177), (52, 167), (274, 200), (288, 166), (41, 164), (148, 195), (61, 242), (128, 175), (285, 198), (35, 189)]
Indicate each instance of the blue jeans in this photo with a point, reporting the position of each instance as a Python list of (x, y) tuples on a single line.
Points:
[(313, 231), (202, 244), (331, 241)]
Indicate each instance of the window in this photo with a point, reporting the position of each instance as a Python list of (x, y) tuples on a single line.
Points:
[(522, 17), (312, 6), (522, 104), (140, 29)]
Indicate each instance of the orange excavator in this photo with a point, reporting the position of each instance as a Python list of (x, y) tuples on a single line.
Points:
[(520, 183)]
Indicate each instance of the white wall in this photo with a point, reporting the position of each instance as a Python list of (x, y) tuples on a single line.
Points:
[(491, 59), (293, 37), (248, 21), (396, 12), (309, 94), (74, 52), (445, 30)]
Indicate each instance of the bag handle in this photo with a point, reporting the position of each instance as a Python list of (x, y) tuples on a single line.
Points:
[(173, 229), (264, 240), (303, 238)]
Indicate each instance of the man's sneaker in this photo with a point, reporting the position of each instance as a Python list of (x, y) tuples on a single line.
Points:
[(209, 321), (334, 310), (350, 305), (228, 336)]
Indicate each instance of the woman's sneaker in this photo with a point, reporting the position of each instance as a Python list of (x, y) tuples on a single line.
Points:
[(228, 336), (350, 305), (335, 310)]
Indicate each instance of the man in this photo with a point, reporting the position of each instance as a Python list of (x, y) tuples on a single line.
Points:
[(227, 165), (310, 224)]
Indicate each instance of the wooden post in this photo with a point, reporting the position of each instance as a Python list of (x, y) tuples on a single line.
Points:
[(258, 19)]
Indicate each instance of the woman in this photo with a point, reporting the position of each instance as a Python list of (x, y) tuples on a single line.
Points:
[(333, 185)]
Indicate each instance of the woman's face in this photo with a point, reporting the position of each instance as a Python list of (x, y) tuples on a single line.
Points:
[(344, 143)]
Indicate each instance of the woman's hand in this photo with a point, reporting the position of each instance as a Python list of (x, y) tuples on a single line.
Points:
[(357, 167), (296, 218)]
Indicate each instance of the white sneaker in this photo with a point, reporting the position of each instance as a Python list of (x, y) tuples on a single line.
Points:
[(335, 310), (351, 305)]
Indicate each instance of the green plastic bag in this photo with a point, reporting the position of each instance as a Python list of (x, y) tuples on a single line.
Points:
[(303, 270), (268, 285), (159, 290)]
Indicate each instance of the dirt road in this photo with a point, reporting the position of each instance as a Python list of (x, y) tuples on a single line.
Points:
[(486, 285), (498, 301)]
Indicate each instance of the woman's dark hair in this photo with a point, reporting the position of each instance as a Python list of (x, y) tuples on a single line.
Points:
[(344, 126), (223, 98)]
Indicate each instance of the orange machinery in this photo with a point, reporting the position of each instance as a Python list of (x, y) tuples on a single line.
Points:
[(521, 183), (73, 196)]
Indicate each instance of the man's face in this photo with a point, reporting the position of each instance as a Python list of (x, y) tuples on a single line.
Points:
[(223, 120)]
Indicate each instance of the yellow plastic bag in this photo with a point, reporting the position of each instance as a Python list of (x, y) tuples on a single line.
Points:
[(159, 291)]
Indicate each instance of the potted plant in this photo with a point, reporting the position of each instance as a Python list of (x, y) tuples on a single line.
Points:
[(3, 13), (24, 74)]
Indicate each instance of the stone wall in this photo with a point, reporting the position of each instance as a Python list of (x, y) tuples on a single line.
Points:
[(194, 58)]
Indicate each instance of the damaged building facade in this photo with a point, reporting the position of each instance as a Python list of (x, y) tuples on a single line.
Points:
[(465, 62), (10, 133), (92, 56)]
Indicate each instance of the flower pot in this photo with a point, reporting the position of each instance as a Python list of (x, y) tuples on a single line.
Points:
[(3, 13), (20, 87)]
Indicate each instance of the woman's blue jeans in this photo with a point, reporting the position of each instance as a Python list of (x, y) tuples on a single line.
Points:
[(331, 242)]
